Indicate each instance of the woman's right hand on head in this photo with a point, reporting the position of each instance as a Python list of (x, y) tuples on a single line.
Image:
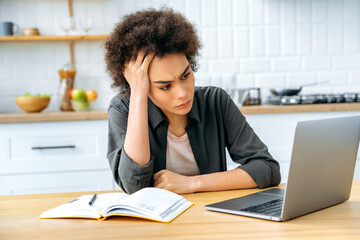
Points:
[(136, 74)]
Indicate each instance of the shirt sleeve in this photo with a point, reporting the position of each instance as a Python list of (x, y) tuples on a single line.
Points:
[(127, 174), (245, 147)]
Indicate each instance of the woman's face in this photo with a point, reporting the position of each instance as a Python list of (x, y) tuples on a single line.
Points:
[(172, 84)]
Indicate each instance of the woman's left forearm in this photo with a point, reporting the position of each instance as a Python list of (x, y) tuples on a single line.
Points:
[(228, 180)]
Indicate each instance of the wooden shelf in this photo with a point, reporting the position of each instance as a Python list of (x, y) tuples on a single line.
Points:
[(51, 38), (67, 38)]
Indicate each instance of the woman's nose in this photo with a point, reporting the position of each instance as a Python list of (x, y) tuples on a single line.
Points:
[(181, 91)]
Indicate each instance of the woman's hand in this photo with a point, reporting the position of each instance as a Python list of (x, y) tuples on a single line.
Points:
[(174, 182), (136, 74), (136, 144), (219, 181)]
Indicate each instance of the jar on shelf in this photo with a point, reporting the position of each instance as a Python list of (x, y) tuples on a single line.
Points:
[(253, 97), (67, 78)]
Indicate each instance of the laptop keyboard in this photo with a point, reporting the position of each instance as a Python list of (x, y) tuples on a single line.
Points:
[(272, 208)]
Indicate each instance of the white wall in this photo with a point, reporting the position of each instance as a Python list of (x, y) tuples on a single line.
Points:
[(266, 43)]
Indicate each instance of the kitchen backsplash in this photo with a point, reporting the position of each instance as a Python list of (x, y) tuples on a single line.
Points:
[(252, 43)]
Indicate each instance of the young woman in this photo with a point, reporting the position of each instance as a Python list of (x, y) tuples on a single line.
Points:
[(164, 131)]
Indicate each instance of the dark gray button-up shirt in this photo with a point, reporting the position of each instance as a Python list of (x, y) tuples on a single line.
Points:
[(214, 123)]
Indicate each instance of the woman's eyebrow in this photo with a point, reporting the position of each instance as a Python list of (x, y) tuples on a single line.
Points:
[(162, 81), (187, 68)]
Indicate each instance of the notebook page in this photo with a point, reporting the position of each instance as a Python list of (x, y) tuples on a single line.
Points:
[(78, 207), (156, 203)]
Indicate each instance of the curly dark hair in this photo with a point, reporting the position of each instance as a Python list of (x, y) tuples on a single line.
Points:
[(159, 31)]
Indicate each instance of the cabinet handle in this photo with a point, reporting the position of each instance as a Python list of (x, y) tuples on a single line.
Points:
[(52, 147)]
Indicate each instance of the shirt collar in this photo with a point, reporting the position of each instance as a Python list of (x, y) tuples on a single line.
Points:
[(194, 112), (156, 116)]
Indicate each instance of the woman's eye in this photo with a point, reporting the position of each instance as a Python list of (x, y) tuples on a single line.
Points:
[(185, 76), (165, 87)]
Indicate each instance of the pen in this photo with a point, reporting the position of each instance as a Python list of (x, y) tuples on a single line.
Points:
[(92, 200)]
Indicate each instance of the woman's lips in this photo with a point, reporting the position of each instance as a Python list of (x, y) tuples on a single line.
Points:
[(185, 105)]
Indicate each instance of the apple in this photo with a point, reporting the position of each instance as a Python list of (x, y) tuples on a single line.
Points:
[(82, 104), (91, 95), (78, 94), (70, 93)]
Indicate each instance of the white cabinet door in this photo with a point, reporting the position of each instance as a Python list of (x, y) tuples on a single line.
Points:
[(53, 146), (56, 182), (52, 157)]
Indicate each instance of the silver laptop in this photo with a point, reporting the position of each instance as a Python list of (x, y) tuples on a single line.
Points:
[(320, 174)]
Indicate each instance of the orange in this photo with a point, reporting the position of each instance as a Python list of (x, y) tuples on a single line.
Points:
[(91, 95)]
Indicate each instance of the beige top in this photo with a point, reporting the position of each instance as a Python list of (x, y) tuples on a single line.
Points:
[(179, 155)]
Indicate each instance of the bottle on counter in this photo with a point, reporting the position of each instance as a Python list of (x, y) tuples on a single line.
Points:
[(67, 77)]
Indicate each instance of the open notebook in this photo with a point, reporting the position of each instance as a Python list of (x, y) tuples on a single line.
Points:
[(149, 203)]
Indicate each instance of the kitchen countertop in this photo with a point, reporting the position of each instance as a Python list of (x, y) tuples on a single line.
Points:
[(101, 115), (329, 107), (52, 116)]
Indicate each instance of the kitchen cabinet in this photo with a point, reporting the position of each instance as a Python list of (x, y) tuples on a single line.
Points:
[(85, 167), (55, 182), (54, 157)]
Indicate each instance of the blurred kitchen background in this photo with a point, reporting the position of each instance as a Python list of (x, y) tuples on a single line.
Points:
[(254, 43), (257, 44)]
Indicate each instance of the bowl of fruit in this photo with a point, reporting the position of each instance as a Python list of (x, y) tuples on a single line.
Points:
[(82, 100), (33, 103)]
